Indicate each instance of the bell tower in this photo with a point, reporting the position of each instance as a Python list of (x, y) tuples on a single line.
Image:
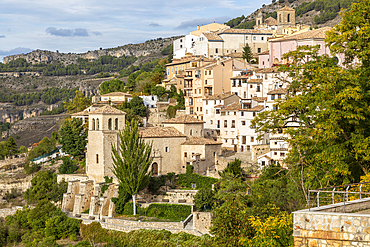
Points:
[(285, 18), (104, 126)]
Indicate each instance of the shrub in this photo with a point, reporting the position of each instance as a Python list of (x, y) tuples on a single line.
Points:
[(68, 166), (204, 199), (186, 180)]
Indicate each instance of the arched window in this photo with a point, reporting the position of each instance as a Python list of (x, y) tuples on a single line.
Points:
[(97, 124), (116, 124), (288, 17), (110, 124), (191, 132), (93, 124), (97, 158), (280, 18), (155, 169)]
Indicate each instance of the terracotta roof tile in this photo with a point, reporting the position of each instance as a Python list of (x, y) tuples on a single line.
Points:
[(219, 96), (212, 37), (278, 91), (200, 141), (312, 34), (107, 109), (286, 8), (116, 94), (259, 99), (254, 109), (81, 113), (251, 31), (271, 21), (157, 132), (264, 53), (255, 81), (240, 77), (183, 119), (267, 70), (233, 107)]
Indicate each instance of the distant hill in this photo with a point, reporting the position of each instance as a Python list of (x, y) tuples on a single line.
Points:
[(154, 46), (313, 13)]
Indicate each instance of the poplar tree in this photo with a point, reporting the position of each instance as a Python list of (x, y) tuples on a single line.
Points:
[(131, 160), (247, 53)]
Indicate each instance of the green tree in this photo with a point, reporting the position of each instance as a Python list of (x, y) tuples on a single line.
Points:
[(204, 199), (137, 105), (131, 161), (11, 145), (73, 137), (44, 186), (68, 166), (247, 53), (233, 168), (326, 114), (79, 103)]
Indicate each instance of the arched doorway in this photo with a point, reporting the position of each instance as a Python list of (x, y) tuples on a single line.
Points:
[(155, 169)]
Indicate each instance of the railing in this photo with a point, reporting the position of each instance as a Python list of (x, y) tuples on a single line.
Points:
[(338, 194)]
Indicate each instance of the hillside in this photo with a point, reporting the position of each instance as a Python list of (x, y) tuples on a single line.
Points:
[(317, 13), (136, 50)]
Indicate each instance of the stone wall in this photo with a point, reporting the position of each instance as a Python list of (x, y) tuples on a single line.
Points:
[(9, 211), (202, 221), (258, 150), (324, 227)]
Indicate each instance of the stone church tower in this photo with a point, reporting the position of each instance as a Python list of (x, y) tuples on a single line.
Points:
[(285, 18), (104, 126), (260, 19)]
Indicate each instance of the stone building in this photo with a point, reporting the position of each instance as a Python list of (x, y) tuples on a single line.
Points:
[(104, 126)]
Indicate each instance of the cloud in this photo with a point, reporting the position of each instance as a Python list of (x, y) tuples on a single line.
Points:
[(154, 25), (2, 36), (15, 51), (67, 32), (202, 21), (97, 33)]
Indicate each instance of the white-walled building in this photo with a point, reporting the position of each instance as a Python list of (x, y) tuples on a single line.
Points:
[(150, 101)]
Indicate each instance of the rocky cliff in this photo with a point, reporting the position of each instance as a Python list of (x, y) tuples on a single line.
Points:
[(137, 50)]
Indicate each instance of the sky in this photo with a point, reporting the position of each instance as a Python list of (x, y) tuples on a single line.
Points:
[(79, 26)]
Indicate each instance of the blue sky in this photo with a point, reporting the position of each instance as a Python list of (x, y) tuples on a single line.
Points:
[(81, 25)]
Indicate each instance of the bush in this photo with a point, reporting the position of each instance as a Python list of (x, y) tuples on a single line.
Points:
[(204, 199), (160, 211), (186, 181), (68, 166), (31, 168)]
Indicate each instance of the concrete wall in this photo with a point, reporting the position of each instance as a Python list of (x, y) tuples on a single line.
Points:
[(202, 221)]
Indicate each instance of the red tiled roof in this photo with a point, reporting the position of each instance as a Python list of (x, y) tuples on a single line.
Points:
[(259, 99), (278, 91), (116, 94), (183, 119), (81, 113), (107, 109), (254, 109), (157, 132), (255, 81), (220, 96), (251, 31), (200, 141), (212, 37), (312, 34)]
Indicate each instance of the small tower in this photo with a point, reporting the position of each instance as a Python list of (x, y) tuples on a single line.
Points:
[(104, 126), (285, 18), (260, 19)]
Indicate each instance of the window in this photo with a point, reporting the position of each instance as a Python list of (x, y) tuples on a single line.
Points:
[(254, 38), (180, 40), (206, 111), (97, 158), (216, 50), (205, 72), (116, 124), (242, 113), (246, 37), (263, 62), (275, 153), (97, 124), (214, 154), (205, 82), (191, 132), (279, 96), (217, 111), (225, 123), (110, 124), (243, 122), (252, 139), (232, 123), (259, 50), (234, 113), (206, 102), (254, 114), (258, 88), (272, 96), (251, 86), (93, 124), (211, 121), (275, 143), (218, 124), (180, 46), (244, 139), (288, 17), (261, 38), (200, 108), (282, 154), (191, 110), (263, 163), (280, 131), (167, 149), (210, 72)]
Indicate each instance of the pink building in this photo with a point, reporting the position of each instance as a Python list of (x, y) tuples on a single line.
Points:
[(279, 46)]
